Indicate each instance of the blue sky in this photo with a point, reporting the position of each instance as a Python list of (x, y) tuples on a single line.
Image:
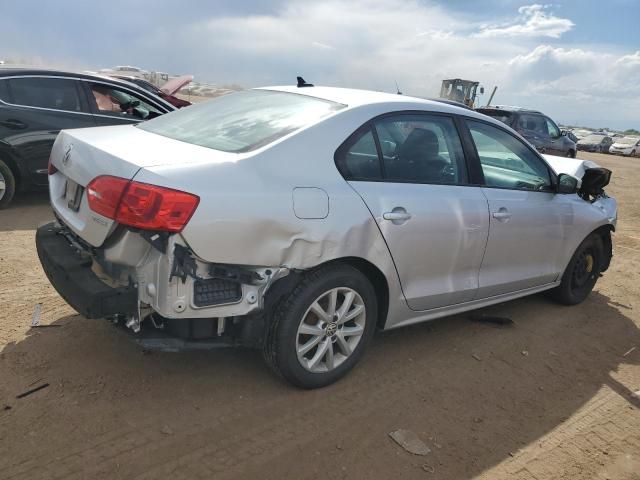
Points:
[(578, 61)]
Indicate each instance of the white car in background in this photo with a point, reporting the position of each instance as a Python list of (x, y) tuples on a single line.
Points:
[(627, 146), (300, 219)]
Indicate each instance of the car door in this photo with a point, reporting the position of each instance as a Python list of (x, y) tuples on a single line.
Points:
[(410, 170), (528, 219), (35, 109), (116, 105), (555, 145)]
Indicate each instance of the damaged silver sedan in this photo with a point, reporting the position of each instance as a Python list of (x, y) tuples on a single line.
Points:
[(301, 219)]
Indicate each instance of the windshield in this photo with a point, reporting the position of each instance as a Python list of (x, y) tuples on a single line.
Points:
[(592, 139), (628, 140), (242, 121)]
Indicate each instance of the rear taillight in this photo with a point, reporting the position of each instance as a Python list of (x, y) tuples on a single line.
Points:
[(141, 205), (51, 169)]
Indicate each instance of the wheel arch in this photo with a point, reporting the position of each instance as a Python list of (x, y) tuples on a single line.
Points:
[(368, 269)]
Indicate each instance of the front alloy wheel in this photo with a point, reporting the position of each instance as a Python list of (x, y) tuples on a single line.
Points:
[(319, 331), (331, 329)]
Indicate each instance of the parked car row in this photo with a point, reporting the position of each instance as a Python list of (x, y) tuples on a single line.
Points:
[(542, 132)]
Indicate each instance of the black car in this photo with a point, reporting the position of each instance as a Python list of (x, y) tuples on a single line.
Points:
[(36, 104), (536, 127)]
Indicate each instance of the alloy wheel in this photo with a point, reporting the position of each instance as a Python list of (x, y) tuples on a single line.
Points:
[(330, 329), (3, 185)]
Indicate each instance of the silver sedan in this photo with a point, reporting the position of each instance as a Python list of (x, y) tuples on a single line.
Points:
[(300, 219)]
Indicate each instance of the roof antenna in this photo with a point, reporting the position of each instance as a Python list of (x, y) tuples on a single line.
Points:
[(397, 88), (302, 83)]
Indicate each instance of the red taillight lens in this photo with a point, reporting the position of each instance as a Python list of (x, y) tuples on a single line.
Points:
[(141, 205), (104, 194), (51, 169)]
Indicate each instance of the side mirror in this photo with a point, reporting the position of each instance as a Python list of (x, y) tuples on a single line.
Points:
[(563, 133), (567, 184)]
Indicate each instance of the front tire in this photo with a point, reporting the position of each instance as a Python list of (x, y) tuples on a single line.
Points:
[(571, 154), (582, 272), (7, 185), (321, 329)]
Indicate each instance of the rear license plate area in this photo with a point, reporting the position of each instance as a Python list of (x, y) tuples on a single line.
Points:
[(73, 195)]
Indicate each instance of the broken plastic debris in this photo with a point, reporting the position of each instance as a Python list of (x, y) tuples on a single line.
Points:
[(166, 430), (35, 318), (629, 351), (410, 442)]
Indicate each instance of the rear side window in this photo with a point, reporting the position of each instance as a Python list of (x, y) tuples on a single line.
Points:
[(358, 159), (242, 121), (421, 149), (55, 93)]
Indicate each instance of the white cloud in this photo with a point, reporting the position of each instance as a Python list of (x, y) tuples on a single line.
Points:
[(534, 21), (372, 44)]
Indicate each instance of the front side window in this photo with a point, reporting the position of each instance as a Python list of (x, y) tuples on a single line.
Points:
[(421, 149), (242, 121), (54, 93), (506, 161), (113, 101), (554, 131)]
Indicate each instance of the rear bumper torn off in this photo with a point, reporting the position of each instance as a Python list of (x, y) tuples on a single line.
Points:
[(70, 273)]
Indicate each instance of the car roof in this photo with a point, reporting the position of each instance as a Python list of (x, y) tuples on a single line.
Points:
[(511, 109), (12, 70), (354, 97)]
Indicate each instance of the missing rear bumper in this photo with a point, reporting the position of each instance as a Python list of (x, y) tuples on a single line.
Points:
[(69, 271)]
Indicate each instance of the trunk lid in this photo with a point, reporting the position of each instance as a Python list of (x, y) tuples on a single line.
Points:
[(81, 155)]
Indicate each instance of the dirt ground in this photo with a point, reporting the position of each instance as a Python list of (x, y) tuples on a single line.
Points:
[(547, 398)]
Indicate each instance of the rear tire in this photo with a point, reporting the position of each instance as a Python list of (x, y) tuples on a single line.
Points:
[(7, 185), (310, 345), (581, 273), (571, 154)]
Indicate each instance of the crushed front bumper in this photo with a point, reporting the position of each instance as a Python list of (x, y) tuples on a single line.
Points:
[(69, 271)]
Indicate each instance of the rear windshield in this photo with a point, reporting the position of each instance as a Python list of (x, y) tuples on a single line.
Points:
[(242, 121), (504, 117)]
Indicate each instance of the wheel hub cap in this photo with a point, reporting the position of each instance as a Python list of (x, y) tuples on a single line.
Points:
[(331, 329)]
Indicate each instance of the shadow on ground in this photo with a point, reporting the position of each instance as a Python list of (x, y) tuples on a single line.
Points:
[(26, 212), (474, 392)]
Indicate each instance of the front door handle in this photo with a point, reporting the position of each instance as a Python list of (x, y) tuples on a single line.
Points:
[(397, 216), (502, 215)]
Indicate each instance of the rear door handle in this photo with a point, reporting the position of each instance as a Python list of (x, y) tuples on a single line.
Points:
[(502, 214), (398, 215)]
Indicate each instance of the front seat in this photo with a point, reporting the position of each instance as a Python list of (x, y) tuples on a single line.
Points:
[(418, 158)]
